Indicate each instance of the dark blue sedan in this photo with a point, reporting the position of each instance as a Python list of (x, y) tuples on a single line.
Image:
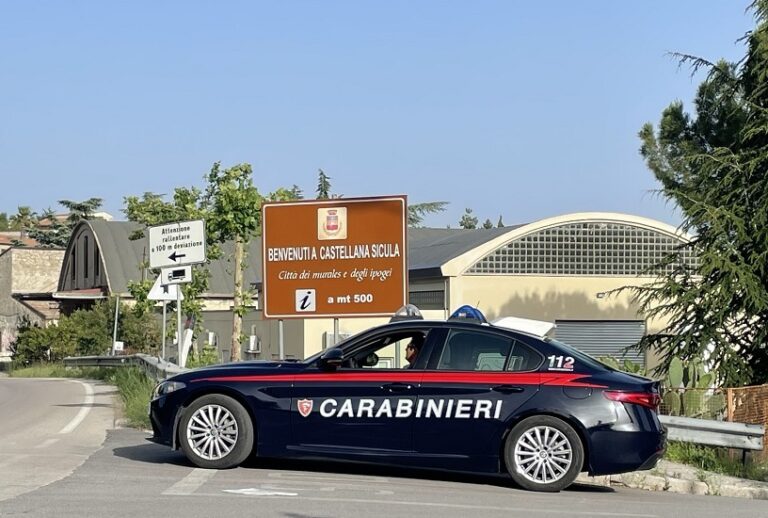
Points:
[(476, 397)]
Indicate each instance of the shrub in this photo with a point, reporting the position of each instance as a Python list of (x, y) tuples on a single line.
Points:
[(85, 332), (208, 356)]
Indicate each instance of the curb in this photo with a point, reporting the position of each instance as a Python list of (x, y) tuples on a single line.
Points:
[(706, 483), (121, 423)]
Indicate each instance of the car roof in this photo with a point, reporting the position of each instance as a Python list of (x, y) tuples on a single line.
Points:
[(458, 323)]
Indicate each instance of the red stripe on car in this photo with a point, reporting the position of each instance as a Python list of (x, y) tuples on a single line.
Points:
[(527, 378)]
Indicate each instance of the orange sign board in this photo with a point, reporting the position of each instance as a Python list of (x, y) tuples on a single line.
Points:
[(333, 258)]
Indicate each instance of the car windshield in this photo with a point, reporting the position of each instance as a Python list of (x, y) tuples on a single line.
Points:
[(580, 356)]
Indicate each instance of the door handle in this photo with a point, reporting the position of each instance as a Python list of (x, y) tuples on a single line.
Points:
[(507, 389), (397, 387)]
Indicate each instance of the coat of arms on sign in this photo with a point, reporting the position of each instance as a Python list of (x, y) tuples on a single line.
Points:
[(332, 223)]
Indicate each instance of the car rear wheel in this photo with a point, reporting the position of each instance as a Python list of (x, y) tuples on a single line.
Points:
[(543, 453), (216, 432)]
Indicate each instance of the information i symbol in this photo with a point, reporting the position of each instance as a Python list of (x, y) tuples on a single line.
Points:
[(305, 301)]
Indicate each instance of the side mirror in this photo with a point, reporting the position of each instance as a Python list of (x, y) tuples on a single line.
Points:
[(331, 359), (371, 360)]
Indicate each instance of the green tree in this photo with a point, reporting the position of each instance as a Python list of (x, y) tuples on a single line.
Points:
[(488, 223), (418, 211), (468, 220), (295, 193), (56, 233), (713, 165), (323, 190), (500, 223), (23, 220), (4, 222), (233, 207), (80, 210)]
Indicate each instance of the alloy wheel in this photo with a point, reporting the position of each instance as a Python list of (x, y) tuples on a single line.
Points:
[(543, 455), (212, 432)]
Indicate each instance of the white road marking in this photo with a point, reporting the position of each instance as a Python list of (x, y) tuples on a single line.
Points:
[(87, 404), (327, 478), (46, 443), (252, 491), (191, 483)]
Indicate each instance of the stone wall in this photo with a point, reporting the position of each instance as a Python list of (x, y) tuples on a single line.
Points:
[(24, 270), (7, 304)]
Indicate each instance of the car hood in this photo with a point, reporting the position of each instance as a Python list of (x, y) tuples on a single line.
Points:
[(251, 368)]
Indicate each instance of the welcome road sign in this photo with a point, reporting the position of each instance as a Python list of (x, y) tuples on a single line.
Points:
[(177, 244), (333, 258)]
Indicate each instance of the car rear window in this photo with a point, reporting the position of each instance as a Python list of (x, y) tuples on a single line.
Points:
[(579, 356), (474, 351)]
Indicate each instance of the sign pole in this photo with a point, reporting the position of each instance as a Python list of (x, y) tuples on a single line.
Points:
[(114, 331), (335, 331), (179, 340), (280, 349), (165, 308)]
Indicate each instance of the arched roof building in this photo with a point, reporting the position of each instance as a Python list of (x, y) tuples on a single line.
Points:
[(558, 269)]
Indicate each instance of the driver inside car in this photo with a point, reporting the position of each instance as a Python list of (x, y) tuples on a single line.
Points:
[(412, 350)]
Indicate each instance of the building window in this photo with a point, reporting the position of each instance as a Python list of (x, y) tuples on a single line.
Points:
[(73, 269), (96, 263), (427, 299), (85, 257), (584, 248)]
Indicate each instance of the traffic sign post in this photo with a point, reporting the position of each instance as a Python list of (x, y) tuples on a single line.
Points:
[(177, 244), (166, 293), (173, 245)]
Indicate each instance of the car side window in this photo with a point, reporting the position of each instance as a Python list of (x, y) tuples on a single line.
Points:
[(386, 352), (473, 351), (523, 358)]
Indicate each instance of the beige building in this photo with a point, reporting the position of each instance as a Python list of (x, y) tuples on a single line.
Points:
[(558, 270), (28, 277)]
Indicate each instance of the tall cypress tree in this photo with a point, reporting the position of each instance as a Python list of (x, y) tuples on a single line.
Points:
[(713, 164)]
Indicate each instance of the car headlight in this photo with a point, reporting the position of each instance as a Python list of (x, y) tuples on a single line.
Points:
[(166, 387)]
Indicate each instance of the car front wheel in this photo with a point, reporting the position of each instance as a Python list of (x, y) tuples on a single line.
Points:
[(543, 453), (216, 432)]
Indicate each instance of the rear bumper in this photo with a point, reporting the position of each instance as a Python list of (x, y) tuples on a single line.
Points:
[(616, 452)]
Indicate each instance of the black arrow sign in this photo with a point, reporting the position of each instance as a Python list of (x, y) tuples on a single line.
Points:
[(175, 256)]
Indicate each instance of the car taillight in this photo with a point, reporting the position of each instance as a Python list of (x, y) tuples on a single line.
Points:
[(646, 399)]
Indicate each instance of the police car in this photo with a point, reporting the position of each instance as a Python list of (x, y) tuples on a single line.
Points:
[(479, 397)]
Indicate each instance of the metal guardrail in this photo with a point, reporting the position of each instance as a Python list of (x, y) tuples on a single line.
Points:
[(155, 368), (714, 433)]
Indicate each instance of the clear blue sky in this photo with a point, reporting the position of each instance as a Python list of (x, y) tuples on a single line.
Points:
[(520, 109)]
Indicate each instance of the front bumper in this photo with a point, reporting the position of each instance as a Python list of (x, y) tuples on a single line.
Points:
[(162, 415)]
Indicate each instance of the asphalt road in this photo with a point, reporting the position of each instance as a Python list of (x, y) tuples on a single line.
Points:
[(48, 428), (130, 477)]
